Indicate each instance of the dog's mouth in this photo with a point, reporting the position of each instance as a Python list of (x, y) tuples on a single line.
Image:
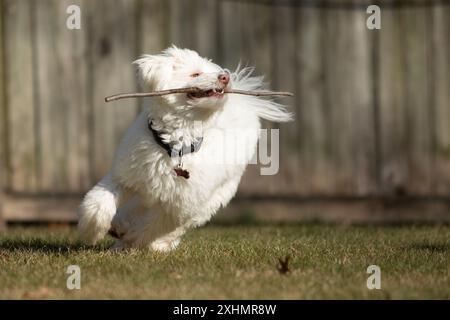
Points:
[(215, 92)]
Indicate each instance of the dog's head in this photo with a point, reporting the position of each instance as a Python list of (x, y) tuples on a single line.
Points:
[(182, 68)]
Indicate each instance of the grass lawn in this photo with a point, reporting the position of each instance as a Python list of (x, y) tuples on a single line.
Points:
[(228, 261)]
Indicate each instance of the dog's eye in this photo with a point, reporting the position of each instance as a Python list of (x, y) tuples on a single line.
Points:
[(194, 75)]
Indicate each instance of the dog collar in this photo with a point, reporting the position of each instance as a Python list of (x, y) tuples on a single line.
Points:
[(173, 152)]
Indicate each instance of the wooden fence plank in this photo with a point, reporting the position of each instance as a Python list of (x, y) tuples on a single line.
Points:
[(256, 39), (337, 111), (152, 33), (441, 81), (285, 74), (406, 126), (182, 23), (313, 116), (76, 73), (3, 132), (231, 20), (19, 96), (113, 47), (348, 90), (154, 36), (256, 51), (392, 105), (415, 27), (62, 99), (207, 28), (336, 43), (193, 25), (418, 113), (360, 89)]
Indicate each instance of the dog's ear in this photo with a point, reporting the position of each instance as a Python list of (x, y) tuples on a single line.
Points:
[(153, 71)]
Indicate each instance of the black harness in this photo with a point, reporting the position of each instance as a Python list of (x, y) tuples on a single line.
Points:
[(173, 152)]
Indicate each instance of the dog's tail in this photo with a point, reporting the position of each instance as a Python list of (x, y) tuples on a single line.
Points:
[(98, 209)]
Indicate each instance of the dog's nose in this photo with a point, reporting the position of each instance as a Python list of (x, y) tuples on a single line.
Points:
[(224, 78)]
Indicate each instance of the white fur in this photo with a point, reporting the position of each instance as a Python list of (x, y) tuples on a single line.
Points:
[(141, 198)]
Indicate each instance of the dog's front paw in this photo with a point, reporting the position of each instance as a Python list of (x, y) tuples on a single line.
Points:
[(164, 245)]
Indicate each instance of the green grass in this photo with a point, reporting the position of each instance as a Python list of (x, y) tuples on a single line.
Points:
[(220, 261)]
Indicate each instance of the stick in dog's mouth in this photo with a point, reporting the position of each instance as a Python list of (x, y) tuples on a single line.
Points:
[(216, 92), (197, 93)]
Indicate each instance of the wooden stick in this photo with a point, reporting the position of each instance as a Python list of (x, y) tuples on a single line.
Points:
[(261, 93), (194, 90)]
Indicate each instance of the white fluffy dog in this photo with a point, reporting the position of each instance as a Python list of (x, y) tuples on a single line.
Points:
[(154, 192)]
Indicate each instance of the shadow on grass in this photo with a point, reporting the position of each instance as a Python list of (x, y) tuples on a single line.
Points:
[(248, 221), (436, 247), (47, 246)]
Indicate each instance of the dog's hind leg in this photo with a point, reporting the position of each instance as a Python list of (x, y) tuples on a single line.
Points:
[(98, 209), (150, 228), (127, 215), (169, 241)]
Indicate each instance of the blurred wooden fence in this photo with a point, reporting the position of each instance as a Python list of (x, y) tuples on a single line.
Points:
[(372, 106)]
